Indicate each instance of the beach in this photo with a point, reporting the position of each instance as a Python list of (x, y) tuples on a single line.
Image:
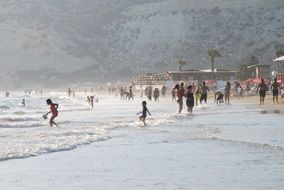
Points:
[(237, 146)]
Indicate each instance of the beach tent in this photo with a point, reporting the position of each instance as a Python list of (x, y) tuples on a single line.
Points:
[(279, 59)]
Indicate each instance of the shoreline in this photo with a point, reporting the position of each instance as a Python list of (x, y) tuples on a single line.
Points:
[(174, 152), (268, 102)]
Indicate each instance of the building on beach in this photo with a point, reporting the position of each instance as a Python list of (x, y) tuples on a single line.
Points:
[(186, 75), (202, 75), (260, 71)]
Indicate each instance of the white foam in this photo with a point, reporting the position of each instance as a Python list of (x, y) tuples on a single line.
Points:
[(24, 133)]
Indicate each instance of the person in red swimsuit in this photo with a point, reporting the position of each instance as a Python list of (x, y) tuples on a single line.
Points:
[(53, 110)]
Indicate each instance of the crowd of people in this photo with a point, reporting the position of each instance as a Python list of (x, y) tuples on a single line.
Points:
[(193, 94)]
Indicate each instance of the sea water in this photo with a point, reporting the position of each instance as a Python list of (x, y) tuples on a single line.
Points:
[(236, 141)]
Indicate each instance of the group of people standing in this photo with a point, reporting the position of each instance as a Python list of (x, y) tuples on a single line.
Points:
[(126, 95), (195, 94), (262, 88), (192, 93)]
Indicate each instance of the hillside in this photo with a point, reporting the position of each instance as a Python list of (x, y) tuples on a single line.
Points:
[(96, 41)]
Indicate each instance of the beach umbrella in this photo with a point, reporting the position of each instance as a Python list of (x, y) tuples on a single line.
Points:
[(279, 59)]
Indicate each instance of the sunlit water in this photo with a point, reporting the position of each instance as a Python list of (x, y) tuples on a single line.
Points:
[(240, 139)]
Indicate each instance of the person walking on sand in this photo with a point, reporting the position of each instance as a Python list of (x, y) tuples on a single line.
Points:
[(275, 88), (53, 110), (204, 90), (189, 98), (227, 93), (144, 112), (261, 88)]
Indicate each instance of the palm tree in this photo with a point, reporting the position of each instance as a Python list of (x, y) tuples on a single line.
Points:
[(181, 63), (278, 53), (213, 53), (254, 60)]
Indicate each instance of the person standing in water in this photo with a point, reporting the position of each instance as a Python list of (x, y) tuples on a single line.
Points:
[(130, 93), (180, 95), (24, 103), (53, 110), (262, 88), (218, 97), (173, 94), (227, 93), (275, 88), (204, 90), (92, 101), (164, 91), (144, 112), (189, 98), (197, 94)]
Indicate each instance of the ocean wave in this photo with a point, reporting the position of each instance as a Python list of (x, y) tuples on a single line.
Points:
[(72, 110), (21, 125), (14, 119), (53, 141), (247, 143), (20, 112), (4, 107)]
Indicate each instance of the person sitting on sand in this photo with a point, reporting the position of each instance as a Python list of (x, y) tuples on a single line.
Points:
[(144, 112), (53, 108)]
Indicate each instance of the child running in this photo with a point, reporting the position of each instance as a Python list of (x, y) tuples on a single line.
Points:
[(144, 112), (53, 110)]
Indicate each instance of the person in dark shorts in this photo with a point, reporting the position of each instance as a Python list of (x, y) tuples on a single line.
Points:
[(204, 90), (275, 88), (262, 88), (144, 112), (189, 98)]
